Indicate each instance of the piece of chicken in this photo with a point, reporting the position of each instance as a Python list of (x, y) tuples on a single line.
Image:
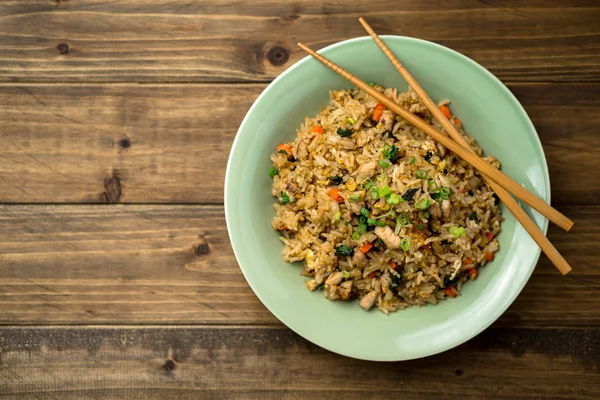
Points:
[(446, 208), (334, 279), (359, 259), (368, 300), (301, 150), (312, 285), (386, 121), (391, 240), (366, 170)]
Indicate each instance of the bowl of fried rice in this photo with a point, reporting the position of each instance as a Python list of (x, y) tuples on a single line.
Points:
[(360, 232)]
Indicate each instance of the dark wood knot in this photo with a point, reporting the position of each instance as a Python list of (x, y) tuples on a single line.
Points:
[(170, 365), (125, 143), (112, 189), (459, 372), (63, 48), (278, 55), (201, 249)]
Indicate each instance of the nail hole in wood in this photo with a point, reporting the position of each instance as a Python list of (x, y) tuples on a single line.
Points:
[(63, 48), (201, 249), (125, 143), (170, 365), (278, 55)]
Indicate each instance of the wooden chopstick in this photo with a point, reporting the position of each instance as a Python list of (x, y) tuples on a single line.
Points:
[(479, 164), (531, 228)]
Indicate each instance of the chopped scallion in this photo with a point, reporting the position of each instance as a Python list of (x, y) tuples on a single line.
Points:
[(346, 274), (421, 174), (405, 244), (355, 235), (402, 220), (374, 193), (390, 152), (354, 198), (384, 164), (457, 231), (361, 228), (351, 120), (445, 192), (393, 199), (421, 226), (391, 214), (371, 221), (380, 223), (273, 171), (412, 160), (337, 216), (365, 212), (372, 84), (384, 191), (423, 204), (426, 214)]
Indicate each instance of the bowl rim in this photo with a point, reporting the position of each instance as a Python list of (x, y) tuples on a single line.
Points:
[(502, 307)]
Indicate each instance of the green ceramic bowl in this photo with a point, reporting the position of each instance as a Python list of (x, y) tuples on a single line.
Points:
[(488, 111)]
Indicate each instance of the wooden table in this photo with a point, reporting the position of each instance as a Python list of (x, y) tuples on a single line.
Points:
[(117, 280)]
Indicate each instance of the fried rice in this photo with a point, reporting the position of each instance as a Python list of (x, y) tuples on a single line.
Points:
[(375, 210)]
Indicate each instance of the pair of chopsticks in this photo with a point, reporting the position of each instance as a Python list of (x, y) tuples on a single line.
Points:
[(499, 182)]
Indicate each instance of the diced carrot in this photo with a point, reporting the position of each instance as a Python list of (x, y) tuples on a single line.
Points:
[(489, 256), (458, 123), (393, 265), (489, 236), (372, 274), (378, 112), (287, 148), (446, 111), (472, 272), (468, 261), (366, 247), (335, 194), (282, 228), (317, 129), (450, 291), (463, 190)]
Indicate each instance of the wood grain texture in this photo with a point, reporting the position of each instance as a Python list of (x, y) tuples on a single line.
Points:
[(169, 143), (174, 265), (272, 363), (129, 144), (199, 41)]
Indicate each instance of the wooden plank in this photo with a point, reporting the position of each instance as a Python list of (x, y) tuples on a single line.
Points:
[(129, 144), (169, 143), (174, 41), (174, 265), (271, 363)]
